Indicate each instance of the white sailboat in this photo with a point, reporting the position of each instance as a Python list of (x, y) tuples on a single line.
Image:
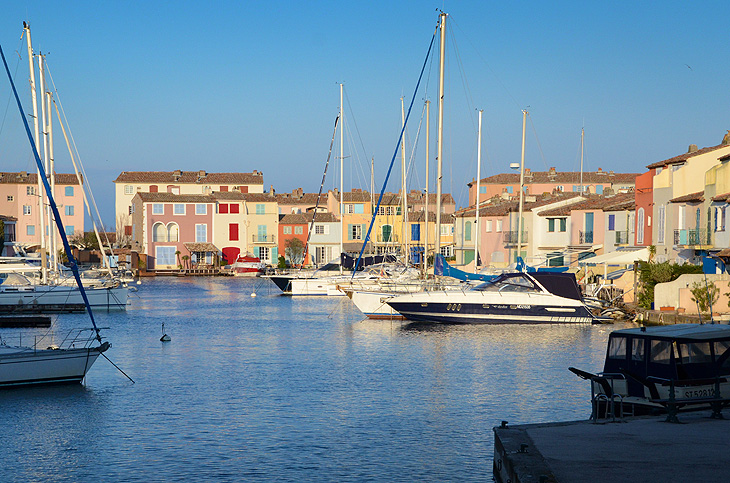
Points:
[(70, 360)]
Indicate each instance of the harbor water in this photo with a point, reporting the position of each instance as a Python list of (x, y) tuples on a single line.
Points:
[(289, 389)]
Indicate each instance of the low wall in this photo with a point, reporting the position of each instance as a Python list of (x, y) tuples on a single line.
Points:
[(677, 294)]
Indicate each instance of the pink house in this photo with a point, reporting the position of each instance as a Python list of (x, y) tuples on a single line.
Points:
[(165, 223)]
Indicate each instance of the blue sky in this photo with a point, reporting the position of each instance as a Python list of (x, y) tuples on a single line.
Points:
[(238, 86)]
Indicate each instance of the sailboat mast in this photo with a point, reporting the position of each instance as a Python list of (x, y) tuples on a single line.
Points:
[(52, 174), (522, 185), (440, 141), (404, 224), (479, 177), (581, 161), (425, 224), (342, 178), (44, 119), (34, 99)]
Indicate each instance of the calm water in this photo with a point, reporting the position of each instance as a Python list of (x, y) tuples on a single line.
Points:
[(275, 388)]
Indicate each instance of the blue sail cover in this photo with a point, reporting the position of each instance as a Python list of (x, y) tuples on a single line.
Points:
[(441, 267)]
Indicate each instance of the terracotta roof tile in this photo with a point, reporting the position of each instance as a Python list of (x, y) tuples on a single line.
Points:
[(594, 202), (24, 177), (684, 157), (698, 197), (171, 198), (190, 177), (558, 177), (723, 197)]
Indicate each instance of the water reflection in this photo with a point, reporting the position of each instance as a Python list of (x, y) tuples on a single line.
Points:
[(273, 387)]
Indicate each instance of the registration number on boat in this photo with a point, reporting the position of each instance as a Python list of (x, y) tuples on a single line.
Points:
[(699, 393)]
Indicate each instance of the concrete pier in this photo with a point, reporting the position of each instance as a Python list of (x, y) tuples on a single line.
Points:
[(642, 449)]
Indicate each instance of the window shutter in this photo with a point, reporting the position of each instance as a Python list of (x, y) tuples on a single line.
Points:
[(275, 255), (256, 252), (364, 231), (349, 232)]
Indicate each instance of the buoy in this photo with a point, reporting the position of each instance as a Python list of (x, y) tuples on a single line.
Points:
[(165, 337), (139, 282), (253, 294)]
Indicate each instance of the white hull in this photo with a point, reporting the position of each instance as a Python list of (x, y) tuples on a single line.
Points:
[(373, 304), (26, 366), (61, 297)]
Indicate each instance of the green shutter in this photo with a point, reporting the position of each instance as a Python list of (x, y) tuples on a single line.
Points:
[(275, 255), (349, 232), (256, 252), (364, 231)]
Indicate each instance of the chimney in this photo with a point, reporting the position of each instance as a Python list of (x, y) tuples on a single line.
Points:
[(600, 171), (693, 147), (552, 173), (273, 192), (611, 173), (726, 139), (202, 173)]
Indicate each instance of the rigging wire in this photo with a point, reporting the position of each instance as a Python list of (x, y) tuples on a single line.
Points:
[(537, 139), (395, 153), (10, 94)]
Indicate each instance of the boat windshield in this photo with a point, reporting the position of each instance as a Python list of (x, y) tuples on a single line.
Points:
[(509, 283)]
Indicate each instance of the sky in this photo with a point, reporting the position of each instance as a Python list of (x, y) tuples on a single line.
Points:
[(242, 86)]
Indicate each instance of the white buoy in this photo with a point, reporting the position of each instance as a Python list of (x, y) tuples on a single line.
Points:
[(139, 282), (165, 337), (253, 294)]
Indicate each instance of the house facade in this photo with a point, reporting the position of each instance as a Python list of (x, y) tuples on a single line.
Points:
[(19, 195)]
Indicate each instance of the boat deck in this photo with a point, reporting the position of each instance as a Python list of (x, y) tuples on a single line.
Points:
[(636, 449)]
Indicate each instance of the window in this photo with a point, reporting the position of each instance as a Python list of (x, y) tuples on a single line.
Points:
[(158, 209), (175, 190), (224, 188), (467, 231), (261, 233), (381, 210), (482, 189), (447, 251), (153, 188), (287, 230), (387, 232), (173, 232), (223, 208), (26, 209), (233, 232), (640, 226), (551, 225), (69, 210), (390, 210), (660, 228), (164, 256), (617, 348), (415, 232), (159, 233), (235, 208), (201, 233), (30, 230), (488, 226), (611, 222), (260, 209), (131, 209), (265, 254), (298, 230), (179, 209), (319, 229), (201, 209), (69, 190), (356, 232), (322, 254), (10, 198), (359, 208), (128, 189), (69, 230), (499, 225)]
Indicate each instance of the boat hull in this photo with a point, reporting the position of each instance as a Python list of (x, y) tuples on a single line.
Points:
[(373, 304), (25, 366), (60, 298)]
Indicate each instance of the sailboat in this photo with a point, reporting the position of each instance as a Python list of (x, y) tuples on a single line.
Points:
[(70, 360), (20, 293)]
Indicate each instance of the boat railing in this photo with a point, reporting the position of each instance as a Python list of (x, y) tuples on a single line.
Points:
[(603, 394), (76, 338)]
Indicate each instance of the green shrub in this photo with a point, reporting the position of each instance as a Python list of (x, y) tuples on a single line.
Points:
[(651, 274)]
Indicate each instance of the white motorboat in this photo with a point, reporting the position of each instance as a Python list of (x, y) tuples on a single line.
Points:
[(511, 298)]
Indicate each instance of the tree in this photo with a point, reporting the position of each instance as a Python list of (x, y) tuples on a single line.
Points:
[(123, 239), (294, 248), (186, 260), (705, 295), (85, 241)]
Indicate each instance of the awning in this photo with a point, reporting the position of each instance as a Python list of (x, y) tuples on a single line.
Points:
[(201, 247), (622, 257)]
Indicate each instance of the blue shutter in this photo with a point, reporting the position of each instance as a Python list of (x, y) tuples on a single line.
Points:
[(364, 231), (275, 255), (599, 189), (256, 252), (611, 222), (349, 232)]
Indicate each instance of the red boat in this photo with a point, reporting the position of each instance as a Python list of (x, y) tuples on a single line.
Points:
[(248, 266)]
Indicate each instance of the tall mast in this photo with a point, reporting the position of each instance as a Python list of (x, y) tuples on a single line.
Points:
[(581, 161), (440, 141), (342, 178), (52, 174), (479, 176), (41, 191), (522, 185), (44, 123), (425, 225), (404, 224)]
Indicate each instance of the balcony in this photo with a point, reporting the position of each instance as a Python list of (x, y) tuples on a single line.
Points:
[(510, 237), (692, 237), (622, 238), (263, 238), (585, 237)]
